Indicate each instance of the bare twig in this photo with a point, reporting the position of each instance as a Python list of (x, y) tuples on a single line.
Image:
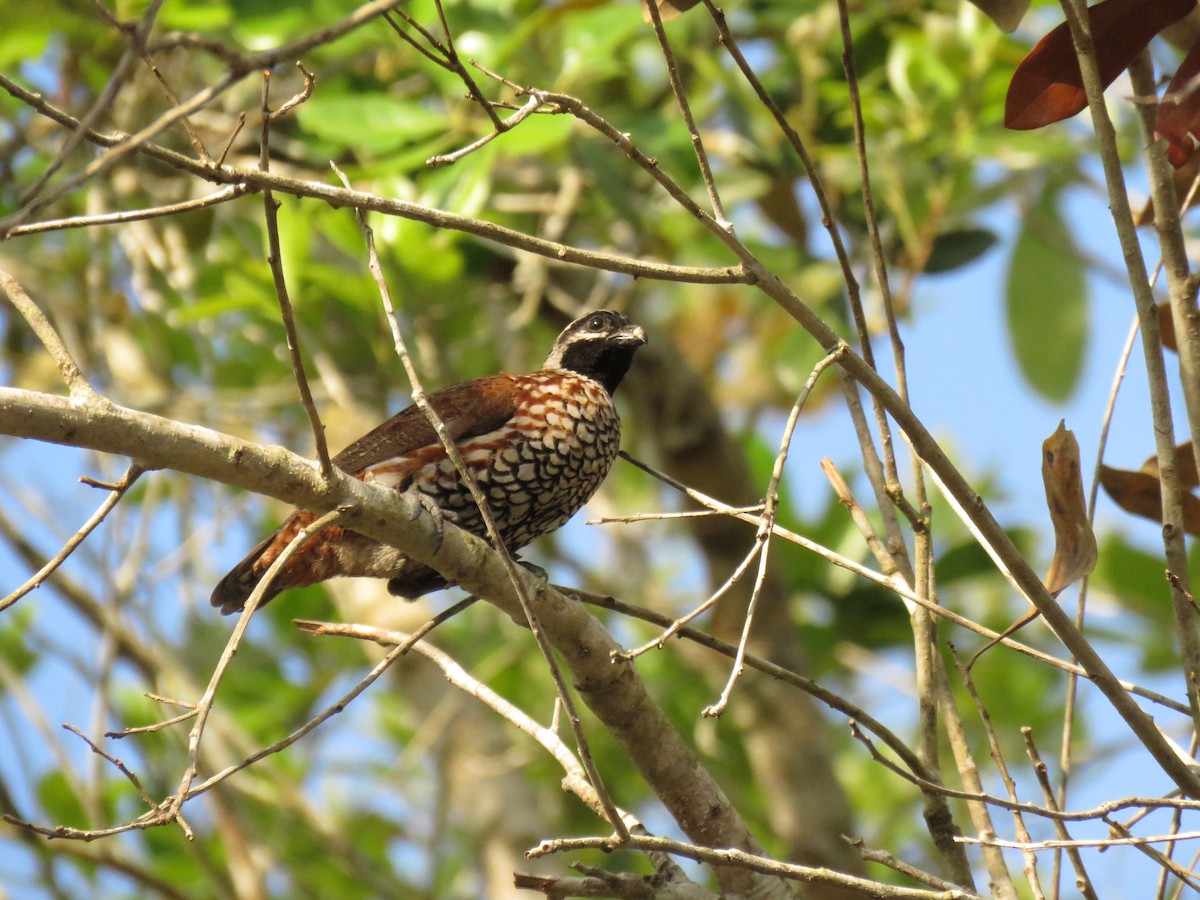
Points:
[(77, 383), (750, 861), (230, 192), (577, 780), (1082, 883), (766, 527), (685, 109), (120, 766), (275, 260), (136, 48), (886, 859), (673, 629), (1160, 404), (1010, 787), (444, 159), (117, 492), (260, 61), (204, 706), (335, 196), (1154, 853)]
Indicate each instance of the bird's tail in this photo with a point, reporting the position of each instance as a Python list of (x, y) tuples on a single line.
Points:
[(232, 591)]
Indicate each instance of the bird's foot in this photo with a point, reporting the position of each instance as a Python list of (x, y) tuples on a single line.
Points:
[(438, 515)]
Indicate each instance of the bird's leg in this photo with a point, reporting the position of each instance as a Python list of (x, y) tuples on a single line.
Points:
[(438, 515)]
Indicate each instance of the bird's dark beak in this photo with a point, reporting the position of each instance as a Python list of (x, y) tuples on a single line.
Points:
[(631, 334)]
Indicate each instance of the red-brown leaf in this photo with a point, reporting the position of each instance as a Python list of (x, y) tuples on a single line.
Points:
[(1178, 120), (1047, 86), (1140, 493)]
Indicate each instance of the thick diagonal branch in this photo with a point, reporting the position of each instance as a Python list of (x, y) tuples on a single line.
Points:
[(612, 690)]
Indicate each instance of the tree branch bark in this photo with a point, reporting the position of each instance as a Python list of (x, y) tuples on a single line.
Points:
[(611, 689)]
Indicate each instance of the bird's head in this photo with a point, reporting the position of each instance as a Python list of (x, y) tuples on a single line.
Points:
[(599, 345)]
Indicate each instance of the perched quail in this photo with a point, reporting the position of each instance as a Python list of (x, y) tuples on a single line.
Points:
[(539, 445)]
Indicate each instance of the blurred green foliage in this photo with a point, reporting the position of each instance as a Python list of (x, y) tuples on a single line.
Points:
[(178, 315)]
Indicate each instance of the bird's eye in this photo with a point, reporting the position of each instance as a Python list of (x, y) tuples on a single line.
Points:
[(596, 323)]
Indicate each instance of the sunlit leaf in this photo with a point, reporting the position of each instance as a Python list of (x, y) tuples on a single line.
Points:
[(1046, 301)]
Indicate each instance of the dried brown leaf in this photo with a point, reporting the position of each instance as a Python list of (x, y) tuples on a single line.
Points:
[(1074, 542), (1185, 460), (1140, 493)]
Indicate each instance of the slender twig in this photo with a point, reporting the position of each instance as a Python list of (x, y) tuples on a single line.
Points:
[(1152, 352), (681, 514), (750, 861), (230, 192), (238, 125), (577, 779), (341, 703), (898, 865), (117, 492), (77, 383), (1010, 787), (120, 766), (1155, 854), (205, 704), (336, 196), (939, 693), (146, 56), (150, 729), (162, 814), (897, 586), (877, 474), (275, 261), (1082, 882), (661, 640), (461, 70), (833, 701), (1129, 840), (444, 159), (116, 81), (859, 517), (434, 58), (881, 275), (689, 121), (1144, 805), (497, 540), (310, 82), (766, 527), (1186, 319), (259, 61), (446, 56), (1069, 702)]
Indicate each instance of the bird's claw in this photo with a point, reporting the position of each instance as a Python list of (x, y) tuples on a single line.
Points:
[(438, 515)]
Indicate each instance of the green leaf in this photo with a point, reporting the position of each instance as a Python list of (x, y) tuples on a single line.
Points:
[(59, 800), (954, 249), (370, 123), (1046, 298)]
